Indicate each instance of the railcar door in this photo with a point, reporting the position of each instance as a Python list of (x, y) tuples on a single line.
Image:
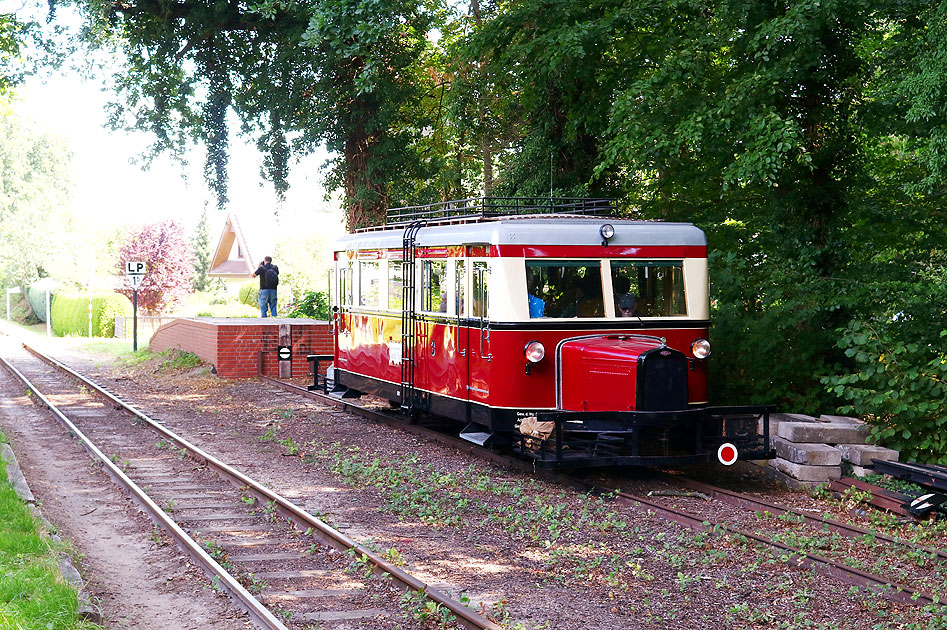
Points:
[(461, 331), (479, 341)]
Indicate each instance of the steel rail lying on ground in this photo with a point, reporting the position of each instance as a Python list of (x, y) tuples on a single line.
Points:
[(302, 519), (893, 591), (260, 615)]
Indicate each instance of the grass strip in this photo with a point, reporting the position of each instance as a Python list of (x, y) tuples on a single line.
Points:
[(33, 593)]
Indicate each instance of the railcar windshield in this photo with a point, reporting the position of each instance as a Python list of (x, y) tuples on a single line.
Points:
[(564, 288), (648, 288)]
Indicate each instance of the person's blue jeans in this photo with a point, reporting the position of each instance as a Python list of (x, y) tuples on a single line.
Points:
[(267, 299)]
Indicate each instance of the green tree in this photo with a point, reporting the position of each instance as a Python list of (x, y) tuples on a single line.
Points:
[(345, 73), (34, 191), (10, 44), (536, 78), (201, 252)]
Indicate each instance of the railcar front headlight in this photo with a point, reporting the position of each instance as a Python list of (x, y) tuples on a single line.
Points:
[(535, 351), (701, 348)]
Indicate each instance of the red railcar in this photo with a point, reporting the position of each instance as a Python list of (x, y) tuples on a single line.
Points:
[(575, 338)]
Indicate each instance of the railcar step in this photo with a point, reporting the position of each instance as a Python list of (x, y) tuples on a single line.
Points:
[(477, 433), (345, 392)]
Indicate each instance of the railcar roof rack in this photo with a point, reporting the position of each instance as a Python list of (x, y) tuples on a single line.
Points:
[(481, 208)]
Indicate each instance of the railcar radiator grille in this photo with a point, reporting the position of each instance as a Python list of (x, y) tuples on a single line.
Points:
[(662, 380)]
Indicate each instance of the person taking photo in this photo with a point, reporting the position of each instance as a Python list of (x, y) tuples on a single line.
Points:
[(269, 280)]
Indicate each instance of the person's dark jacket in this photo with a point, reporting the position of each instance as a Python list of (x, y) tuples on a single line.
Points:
[(269, 276)]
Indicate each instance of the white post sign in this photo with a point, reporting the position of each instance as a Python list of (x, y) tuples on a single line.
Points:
[(9, 291), (135, 271)]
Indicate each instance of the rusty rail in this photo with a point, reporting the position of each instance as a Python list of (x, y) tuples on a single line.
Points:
[(259, 614), (302, 519)]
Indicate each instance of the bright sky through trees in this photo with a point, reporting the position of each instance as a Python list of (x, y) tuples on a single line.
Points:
[(111, 190)]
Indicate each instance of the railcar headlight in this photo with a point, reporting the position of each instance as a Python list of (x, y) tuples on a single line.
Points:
[(606, 231), (535, 351), (701, 348)]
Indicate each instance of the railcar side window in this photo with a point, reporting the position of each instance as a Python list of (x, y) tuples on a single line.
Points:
[(369, 281), (434, 292), (460, 283), (564, 288), (345, 285), (648, 288), (480, 293), (395, 284)]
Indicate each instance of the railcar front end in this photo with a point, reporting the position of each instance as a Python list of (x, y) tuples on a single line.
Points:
[(574, 340)]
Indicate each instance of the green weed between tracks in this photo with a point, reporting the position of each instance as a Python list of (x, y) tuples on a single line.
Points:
[(586, 541), (33, 593)]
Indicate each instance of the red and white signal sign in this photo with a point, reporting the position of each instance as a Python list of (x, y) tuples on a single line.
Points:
[(727, 454)]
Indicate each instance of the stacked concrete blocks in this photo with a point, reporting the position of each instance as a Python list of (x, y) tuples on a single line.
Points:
[(803, 460), (860, 456), (810, 451)]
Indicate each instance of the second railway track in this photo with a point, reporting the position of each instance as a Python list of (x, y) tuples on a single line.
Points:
[(285, 567), (704, 520)]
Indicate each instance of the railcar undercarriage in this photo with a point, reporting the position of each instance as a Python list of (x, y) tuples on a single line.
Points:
[(563, 439), (568, 439)]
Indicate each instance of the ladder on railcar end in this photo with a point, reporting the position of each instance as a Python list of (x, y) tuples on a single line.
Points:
[(409, 319)]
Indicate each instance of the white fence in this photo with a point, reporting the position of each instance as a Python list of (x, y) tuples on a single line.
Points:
[(146, 323)]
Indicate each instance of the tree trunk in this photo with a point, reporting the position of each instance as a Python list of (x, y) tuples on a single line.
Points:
[(486, 149)]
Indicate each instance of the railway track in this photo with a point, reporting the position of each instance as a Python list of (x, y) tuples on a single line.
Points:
[(791, 555), (280, 564), (749, 502)]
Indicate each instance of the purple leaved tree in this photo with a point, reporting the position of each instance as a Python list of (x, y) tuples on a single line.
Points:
[(168, 265)]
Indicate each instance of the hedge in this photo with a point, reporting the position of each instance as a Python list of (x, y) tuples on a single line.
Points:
[(70, 313)]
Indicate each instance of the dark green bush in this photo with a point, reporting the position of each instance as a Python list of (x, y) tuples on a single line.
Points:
[(21, 311), (314, 304), (70, 313), (899, 387)]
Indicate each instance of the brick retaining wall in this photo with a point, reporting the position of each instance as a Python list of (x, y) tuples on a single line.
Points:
[(233, 345)]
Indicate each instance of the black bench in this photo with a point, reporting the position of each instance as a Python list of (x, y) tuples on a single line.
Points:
[(314, 360)]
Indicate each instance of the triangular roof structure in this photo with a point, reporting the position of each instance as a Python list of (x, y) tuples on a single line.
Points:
[(228, 263)]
